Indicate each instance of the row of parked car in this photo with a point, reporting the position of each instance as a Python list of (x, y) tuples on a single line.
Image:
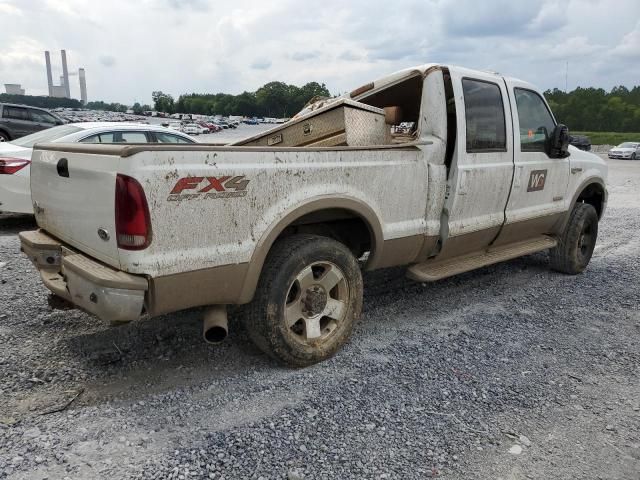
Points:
[(200, 127)]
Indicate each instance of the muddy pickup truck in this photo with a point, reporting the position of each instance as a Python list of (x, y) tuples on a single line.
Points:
[(436, 168)]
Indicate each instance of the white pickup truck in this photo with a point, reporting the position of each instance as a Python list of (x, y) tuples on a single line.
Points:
[(285, 221)]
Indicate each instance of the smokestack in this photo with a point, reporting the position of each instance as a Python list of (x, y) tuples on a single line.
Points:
[(83, 86), (47, 59), (65, 73)]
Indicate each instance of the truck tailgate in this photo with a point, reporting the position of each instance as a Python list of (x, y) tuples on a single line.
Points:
[(73, 194)]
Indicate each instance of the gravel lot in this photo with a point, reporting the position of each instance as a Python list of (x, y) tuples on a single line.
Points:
[(512, 371)]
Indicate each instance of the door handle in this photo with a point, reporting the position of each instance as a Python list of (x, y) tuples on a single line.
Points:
[(462, 187), (63, 167), (516, 179)]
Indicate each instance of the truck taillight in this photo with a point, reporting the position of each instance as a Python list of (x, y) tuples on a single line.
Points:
[(9, 165), (133, 223)]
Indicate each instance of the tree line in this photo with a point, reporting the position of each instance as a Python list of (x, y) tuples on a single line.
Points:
[(42, 102), (274, 99), (595, 110)]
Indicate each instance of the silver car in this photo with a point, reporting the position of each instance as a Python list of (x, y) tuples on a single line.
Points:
[(626, 151)]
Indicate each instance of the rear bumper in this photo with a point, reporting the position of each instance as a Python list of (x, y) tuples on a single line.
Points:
[(103, 291)]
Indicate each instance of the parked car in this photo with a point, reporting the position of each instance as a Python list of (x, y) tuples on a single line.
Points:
[(626, 151), (192, 129), (145, 231), (15, 156), (581, 141), (19, 120)]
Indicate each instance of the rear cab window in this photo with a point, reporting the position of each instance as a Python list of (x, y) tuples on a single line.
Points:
[(536, 122), (485, 118)]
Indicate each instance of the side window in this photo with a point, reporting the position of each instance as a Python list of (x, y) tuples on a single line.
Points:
[(133, 137), (536, 123), (15, 113), (99, 138), (91, 139), (42, 117), (169, 138), (486, 129)]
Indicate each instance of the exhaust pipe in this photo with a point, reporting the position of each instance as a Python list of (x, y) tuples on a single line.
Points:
[(214, 325)]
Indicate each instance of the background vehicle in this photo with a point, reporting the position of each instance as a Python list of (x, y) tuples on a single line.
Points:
[(192, 129), (626, 150), (19, 120), (283, 221), (581, 141), (15, 156)]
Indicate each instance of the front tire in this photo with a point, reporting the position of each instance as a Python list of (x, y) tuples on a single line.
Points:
[(576, 244), (308, 299), (4, 137), (633, 156)]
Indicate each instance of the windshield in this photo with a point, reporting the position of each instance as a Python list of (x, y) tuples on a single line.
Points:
[(628, 145), (49, 135)]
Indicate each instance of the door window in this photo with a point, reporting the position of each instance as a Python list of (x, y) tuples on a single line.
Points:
[(486, 128), (169, 138), (42, 117), (132, 137), (100, 138), (15, 113), (536, 123)]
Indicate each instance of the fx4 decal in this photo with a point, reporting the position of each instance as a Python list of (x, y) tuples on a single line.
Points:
[(536, 180), (208, 187)]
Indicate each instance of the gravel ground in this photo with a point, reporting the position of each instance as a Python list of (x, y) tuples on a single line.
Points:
[(512, 371)]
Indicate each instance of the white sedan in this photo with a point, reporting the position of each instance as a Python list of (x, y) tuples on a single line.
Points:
[(630, 150), (15, 156)]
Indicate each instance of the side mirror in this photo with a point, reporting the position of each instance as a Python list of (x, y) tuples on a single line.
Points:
[(559, 142)]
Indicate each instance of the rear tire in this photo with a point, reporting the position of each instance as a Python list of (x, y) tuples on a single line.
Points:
[(308, 299), (576, 244), (4, 137)]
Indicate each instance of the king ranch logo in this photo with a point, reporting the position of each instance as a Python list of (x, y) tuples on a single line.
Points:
[(191, 188)]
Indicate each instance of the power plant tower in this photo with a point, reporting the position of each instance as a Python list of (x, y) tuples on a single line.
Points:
[(65, 73), (64, 89), (83, 86), (47, 59)]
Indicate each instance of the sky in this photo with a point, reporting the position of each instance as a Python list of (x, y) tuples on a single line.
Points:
[(131, 48)]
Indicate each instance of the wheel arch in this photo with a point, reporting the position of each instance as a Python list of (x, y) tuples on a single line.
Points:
[(592, 191), (314, 208)]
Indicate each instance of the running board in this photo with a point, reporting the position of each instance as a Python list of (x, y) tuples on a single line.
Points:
[(435, 270)]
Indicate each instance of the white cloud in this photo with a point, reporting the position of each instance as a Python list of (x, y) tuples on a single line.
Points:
[(629, 47), (129, 49)]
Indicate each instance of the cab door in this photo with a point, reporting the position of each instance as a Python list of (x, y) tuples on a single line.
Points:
[(482, 167), (538, 195)]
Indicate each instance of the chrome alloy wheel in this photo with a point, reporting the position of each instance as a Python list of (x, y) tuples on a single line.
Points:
[(316, 302)]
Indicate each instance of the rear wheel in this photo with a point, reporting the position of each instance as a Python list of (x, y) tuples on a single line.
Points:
[(576, 244), (4, 137), (307, 301)]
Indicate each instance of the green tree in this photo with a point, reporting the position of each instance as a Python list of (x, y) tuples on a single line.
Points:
[(162, 102)]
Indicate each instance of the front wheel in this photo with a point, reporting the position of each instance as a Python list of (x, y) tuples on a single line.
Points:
[(4, 137), (576, 244), (308, 298), (633, 156)]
